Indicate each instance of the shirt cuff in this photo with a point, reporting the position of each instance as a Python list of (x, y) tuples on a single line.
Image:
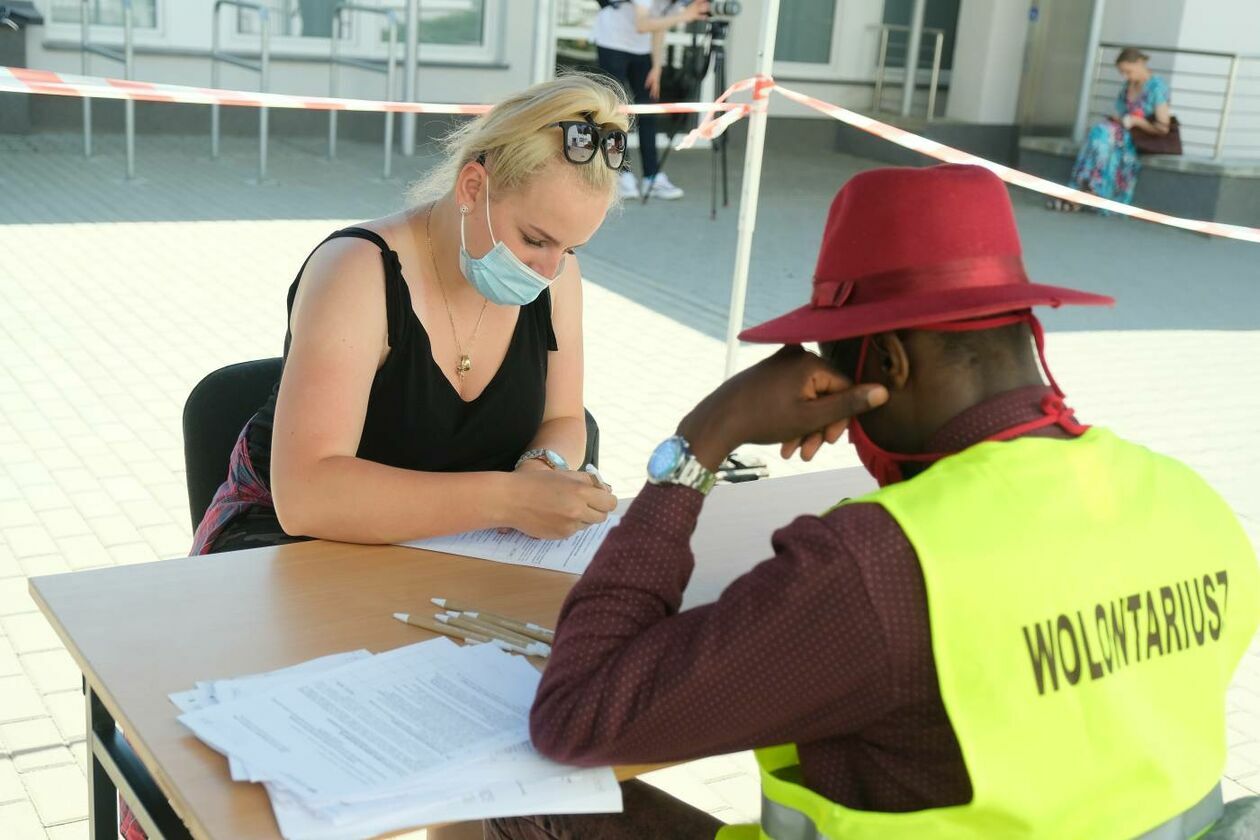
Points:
[(671, 510)]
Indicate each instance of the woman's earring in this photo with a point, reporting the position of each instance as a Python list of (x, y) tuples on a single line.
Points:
[(463, 210)]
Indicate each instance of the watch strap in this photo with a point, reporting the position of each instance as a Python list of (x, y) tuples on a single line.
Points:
[(695, 475), (552, 459)]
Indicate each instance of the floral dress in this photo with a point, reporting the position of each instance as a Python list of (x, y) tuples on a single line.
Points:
[(1107, 165)]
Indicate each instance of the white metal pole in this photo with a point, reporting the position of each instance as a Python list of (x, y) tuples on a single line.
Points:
[(914, 42), (85, 63), (544, 41), (410, 62), (214, 82), (391, 59), (264, 72), (333, 88), (1226, 103), (751, 189), (1089, 73), (129, 108)]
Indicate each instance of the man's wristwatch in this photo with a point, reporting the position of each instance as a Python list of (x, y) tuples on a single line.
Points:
[(549, 457), (673, 463)]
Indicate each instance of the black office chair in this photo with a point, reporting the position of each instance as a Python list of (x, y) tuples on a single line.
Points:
[(220, 406), (216, 411)]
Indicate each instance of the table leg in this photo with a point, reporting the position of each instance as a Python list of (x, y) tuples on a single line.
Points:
[(117, 770), (102, 792)]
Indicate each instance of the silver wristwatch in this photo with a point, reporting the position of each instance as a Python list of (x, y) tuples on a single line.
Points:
[(674, 463), (549, 457)]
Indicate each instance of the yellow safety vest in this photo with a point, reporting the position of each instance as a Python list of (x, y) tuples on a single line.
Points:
[(1089, 601)]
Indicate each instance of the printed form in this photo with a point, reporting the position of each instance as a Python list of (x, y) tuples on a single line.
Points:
[(572, 555), (353, 745)]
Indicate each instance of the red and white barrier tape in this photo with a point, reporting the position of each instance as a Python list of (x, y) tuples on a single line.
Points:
[(949, 154), (931, 148), (21, 80)]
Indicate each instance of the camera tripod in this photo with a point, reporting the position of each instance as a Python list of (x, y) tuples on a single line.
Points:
[(715, 54)]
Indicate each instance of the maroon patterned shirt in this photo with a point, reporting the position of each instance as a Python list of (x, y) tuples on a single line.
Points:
[(826, 644)]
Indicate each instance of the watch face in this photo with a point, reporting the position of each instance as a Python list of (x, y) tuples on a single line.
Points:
[(665, 459)]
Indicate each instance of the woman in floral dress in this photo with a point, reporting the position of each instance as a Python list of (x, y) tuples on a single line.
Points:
[(1108, 165)]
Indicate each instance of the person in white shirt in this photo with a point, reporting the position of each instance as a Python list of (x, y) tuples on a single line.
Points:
[(629, 37)]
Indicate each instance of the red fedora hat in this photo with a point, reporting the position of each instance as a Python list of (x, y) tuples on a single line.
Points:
[(906, 248)]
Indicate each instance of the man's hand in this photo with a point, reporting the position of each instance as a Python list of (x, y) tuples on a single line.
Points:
[(654, 82), (695, 11), (793, 398)]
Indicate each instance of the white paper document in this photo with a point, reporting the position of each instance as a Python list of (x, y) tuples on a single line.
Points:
[(355, 745), (572, 555), (375, 723), (211, 692)]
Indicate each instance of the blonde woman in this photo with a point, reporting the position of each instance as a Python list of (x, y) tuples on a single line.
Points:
[(433, 363)]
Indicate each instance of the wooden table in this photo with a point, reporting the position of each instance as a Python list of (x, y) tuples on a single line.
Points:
[(139, 633)]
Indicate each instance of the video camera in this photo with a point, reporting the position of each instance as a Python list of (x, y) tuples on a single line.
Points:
[(719, 8)]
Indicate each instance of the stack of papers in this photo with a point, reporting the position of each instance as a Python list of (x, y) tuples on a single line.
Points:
[(572, 555), (355, 745)]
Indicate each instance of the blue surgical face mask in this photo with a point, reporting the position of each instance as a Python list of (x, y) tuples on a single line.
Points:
[(500, 276)]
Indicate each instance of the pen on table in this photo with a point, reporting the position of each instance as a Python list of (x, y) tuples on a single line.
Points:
[(593, 471), (525, 628), (472, 637), (445, 630), (532, 649), (481, 625)]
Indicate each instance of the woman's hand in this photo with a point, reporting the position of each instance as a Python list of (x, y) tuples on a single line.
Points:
[(653, 83), (534, 465), (554, 504)]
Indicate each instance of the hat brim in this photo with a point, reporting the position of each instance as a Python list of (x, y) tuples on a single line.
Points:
[(810, 323)]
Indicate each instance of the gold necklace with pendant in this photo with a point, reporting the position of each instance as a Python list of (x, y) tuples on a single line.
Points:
[(465, 359)]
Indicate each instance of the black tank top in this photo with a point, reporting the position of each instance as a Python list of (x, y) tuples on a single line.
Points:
[(416, 419)]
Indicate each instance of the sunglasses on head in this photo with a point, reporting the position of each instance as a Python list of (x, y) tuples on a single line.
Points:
[(581, 138)]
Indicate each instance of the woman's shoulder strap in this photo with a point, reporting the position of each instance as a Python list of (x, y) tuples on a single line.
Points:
[(397, 295), (362, 233)]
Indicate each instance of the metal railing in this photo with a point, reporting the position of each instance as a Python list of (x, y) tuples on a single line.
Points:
[(911, 74), (262, 67), (1208, 92), (126, 57), (336, 60)]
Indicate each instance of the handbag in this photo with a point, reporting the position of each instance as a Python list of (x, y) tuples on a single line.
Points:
[(1149, 143)]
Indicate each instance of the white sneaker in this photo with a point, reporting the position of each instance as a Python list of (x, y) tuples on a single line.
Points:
[(628, 184), (663, 188)]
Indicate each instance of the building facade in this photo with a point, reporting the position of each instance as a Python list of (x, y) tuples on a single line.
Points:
[(1040, 66)]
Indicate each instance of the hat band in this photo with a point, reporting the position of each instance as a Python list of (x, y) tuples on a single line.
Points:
[(974, 273)]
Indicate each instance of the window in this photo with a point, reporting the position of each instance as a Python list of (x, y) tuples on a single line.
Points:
[(805, 31), (456, 23), (453, 22), (938, 15), (106, 12), (291, 18)]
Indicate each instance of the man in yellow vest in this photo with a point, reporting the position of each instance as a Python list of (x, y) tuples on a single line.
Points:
[(1026, 632)]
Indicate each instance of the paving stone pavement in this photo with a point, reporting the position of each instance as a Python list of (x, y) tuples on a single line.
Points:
[(116, 298)]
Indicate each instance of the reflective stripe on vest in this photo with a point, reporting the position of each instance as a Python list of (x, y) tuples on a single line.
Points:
[(779, 822)]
